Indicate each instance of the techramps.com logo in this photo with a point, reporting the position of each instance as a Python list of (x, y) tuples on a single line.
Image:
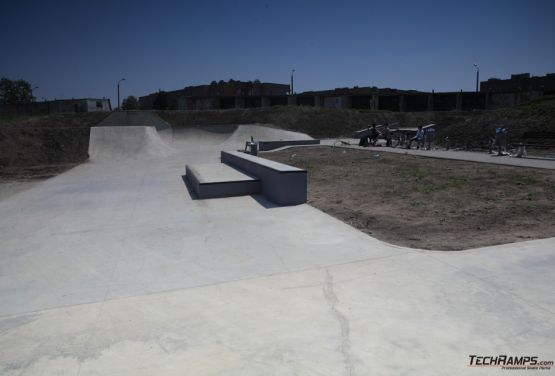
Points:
[(526, 363)]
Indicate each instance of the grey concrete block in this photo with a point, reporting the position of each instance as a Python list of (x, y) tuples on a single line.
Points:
[(219, 180), (281, 183)]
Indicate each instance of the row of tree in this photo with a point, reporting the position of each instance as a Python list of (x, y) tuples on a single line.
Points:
[(15, 91), (130, 103)]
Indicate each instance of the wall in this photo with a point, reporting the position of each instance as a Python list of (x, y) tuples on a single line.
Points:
[(98, 105), (333, 102)]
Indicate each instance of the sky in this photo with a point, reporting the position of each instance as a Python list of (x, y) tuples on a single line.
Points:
[(78, 49)]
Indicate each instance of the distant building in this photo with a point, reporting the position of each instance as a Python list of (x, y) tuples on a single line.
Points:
[(60, 105), (520, 83), (520, 88), (494, 93), (218, 95), (77, 105)]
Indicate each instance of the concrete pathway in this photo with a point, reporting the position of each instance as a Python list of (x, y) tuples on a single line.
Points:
[(112, 269), (450, 154)]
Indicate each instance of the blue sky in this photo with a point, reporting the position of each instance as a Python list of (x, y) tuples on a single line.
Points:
[(80, 49)]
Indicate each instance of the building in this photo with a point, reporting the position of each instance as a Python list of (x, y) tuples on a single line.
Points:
[(520, 83), (60, 105), (218, 95), (520, 88), (494, 93)]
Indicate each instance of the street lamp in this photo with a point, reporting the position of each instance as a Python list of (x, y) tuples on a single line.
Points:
[(477, 76), (292, 71), (123, 79)]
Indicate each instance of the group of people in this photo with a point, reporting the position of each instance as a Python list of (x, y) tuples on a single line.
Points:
[(423, 137), (370, 138)]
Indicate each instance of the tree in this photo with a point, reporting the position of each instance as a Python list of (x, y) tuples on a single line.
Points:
[(15, 92), (130, 103), (161, 101)]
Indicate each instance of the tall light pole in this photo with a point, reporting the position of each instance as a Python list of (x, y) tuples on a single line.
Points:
[(123, 79), (292, 71), (477, 77)]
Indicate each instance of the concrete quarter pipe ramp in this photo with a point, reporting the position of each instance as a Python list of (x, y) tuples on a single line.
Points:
[(116, 143), (112, 269)]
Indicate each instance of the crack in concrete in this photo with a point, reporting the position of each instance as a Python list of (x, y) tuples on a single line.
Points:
[(345, 347)]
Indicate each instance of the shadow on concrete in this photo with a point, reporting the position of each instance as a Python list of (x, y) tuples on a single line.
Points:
[(192, 193), (263, 201)]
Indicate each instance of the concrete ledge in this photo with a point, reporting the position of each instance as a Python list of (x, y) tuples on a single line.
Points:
[(271, 145), (220, 180), (281, 183)]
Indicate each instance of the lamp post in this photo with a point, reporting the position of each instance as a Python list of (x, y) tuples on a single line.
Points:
[(292, 71), (123, 79), (477, 76)]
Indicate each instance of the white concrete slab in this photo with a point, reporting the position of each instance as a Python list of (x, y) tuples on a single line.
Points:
[(265, 162), (112, 269), (218, 173)]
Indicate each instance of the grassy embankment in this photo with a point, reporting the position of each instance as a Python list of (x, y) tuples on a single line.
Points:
[(470, 129)]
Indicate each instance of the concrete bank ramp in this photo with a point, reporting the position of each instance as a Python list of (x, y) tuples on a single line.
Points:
[(229, 136), (127, 142), (134, 118), (261, 133), (202, 135)]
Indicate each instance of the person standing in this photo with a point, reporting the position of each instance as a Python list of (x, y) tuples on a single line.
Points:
[(418, 137), (373, 135), (387, 135), (501, 140), (429, 137)]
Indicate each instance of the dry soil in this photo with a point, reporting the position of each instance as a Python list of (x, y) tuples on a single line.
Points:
[(428, 203)]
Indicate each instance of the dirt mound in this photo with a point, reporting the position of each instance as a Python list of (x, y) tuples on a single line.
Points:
[(68, 120), (45, 140), (317, 122), (465, 129), (34, 146)]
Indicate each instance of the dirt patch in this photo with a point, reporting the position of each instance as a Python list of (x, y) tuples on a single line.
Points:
[(428, 203), (32, 173), (41, 146)]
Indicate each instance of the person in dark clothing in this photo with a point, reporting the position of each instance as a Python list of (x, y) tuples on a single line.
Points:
[(387, 135), (500, 139), (373, 135), (363, 140)]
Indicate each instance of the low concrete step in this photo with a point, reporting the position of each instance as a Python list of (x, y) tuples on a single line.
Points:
[(280, 183), (220, 180)]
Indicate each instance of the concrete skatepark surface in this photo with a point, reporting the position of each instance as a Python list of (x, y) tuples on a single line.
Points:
[(112, 269)]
